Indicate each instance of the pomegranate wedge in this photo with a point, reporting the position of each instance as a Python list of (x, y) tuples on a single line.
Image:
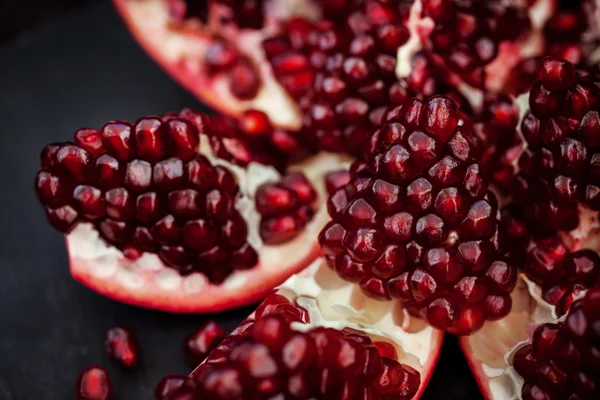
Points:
[(328, 69), (319, 337), (546, 359), (154, 218)]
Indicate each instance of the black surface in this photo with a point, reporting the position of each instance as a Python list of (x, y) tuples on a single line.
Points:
[(84, 70)]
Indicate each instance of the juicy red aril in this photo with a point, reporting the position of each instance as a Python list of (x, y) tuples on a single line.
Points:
[(285, 207), (416, 222), (145, 187), (150, 139), (89, 202), (94, 384), (220, 56), (184, 138), (117, 138), (122, 345), (74, 162), (336, 180), (200, 343), (90, 140), (556, 74), (168, 386)]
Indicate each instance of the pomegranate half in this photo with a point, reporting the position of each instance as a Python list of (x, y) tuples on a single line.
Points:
[(321, 337), (153, 218), (346, 58)]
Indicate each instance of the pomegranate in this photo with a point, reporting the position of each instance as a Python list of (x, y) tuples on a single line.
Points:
[(336, 64), (94, 384), (153, 217), (317, 337), (122, 345)]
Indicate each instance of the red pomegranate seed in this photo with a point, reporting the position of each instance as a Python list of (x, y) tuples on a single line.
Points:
[(200, 343), (122, 345), (168, 386), (94, 384)]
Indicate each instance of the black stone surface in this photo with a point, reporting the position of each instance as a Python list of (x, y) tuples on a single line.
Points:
[(83, 70)]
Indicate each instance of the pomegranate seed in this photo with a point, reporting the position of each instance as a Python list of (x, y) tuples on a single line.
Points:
[(118, 140), (169, 386), (200, 343), (91, 141), (122, 345), (94, 384)]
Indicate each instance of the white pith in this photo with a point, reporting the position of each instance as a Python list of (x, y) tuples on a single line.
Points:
[(107, 262), (418, 27), (334, 303)]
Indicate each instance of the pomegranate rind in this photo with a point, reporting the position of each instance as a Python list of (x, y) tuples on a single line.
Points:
[(147, 282), (180, 51), (335, 303), (145, 292)]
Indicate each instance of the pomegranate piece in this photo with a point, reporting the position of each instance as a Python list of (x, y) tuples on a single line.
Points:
[(285, 207), (200, 343), (123, 347), (560, 131), (94, 384), (399, 200), (562, 275), (267, 358), (153, 199), (159, 208), (562, 359)]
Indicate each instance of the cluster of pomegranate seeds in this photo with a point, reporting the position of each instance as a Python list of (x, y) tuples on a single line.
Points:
[(94, 384), (200, 343), (564, 37), (417, 223), (265, 358), (496, 126), (560, 166), (340, 71), (563, 359), (122, 345), (222, 57), (285, 207), (561, 274), (146, 188), (252, 137), (467, 34)]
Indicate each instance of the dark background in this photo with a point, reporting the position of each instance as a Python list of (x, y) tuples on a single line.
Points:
[(63, 65)]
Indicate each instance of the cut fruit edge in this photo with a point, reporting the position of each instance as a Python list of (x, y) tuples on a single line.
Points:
[(335, 303), (150, 25), (147, 282), (488, 350)]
